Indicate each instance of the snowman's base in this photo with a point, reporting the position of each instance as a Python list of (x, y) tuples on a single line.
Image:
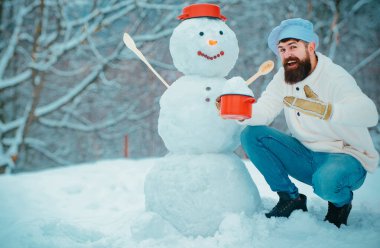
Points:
[(195, 192)]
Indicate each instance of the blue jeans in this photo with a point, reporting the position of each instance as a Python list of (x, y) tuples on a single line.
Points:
[(276, 155)]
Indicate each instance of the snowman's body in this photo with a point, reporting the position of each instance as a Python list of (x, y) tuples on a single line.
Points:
[(197, 105), (201, 179)]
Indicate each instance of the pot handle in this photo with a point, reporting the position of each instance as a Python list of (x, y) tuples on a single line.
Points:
[(250, 100)]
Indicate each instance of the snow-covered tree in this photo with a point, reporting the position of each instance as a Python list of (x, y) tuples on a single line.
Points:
[(64, 77)]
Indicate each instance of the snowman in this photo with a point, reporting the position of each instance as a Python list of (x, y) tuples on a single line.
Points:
[(200, 180)]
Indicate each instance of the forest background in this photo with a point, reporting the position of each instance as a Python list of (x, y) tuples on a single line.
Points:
[(71, 92)]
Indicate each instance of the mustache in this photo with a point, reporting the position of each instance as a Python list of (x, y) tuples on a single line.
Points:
[(291, 59)]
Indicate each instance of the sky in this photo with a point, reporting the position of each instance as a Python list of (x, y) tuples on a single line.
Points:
[(102, 205)]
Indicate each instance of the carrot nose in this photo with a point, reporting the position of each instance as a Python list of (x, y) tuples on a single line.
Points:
[(212, 42)]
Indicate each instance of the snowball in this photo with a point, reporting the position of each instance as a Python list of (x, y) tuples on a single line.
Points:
[(195, 192), (192, 36), (237, 85), (189, 120)]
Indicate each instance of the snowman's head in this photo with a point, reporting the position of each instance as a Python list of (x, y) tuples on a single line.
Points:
[(204, 46)]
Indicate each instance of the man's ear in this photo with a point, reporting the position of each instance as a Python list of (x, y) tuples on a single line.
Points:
[(311, 47)]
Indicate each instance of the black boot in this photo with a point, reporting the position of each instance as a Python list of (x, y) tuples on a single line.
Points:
[(338, 215), (286, 205)]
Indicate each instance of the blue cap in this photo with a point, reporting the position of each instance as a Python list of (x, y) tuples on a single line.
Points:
[(296, 28)]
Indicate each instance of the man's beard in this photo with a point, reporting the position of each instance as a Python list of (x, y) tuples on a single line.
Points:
[(293, 76)]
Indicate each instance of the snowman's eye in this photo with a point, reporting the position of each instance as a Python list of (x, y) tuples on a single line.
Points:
[(221, 32), (201, 33)]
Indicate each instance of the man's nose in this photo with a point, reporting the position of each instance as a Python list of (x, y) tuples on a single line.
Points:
[(286, 54)]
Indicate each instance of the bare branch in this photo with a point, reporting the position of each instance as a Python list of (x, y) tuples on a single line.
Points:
[(365, 61), (14, 81)]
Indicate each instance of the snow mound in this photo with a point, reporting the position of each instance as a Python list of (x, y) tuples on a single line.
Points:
[(102, 205), (237, 85)]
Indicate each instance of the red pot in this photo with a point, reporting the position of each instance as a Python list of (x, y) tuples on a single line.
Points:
[(201, 10), (236, 106)]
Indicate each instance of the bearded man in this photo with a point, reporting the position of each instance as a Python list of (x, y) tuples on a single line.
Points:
[(328, 117)]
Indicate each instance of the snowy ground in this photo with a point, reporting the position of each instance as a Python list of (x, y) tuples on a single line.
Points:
[(95, 205)]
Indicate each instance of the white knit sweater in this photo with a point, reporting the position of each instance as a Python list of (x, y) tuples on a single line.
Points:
[(353, 112)]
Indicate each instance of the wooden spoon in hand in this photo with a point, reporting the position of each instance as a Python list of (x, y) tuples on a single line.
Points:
[(264, 68)]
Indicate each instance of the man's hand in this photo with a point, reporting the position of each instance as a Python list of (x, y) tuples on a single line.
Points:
[(217, 103), (310, 106)]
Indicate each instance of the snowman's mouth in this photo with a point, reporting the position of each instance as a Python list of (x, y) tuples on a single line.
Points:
[(220, 54)]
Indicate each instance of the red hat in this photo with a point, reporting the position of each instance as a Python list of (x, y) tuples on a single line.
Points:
[(201, 10)]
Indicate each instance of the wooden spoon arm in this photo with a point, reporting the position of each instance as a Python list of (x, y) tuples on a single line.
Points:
[(154, 71), (253, 78), (128, 41)]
